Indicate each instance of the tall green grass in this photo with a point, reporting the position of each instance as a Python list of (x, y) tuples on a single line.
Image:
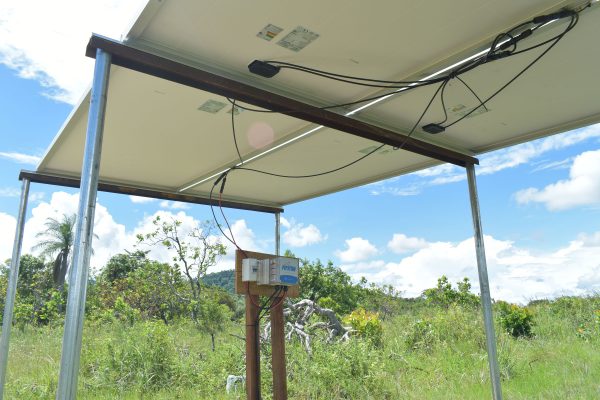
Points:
[(427, 353)]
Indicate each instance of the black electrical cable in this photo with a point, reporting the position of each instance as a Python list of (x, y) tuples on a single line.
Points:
[(349, 77), (472, 91), (410, 85), (375, 85), (414, 127), (329, 107), (573, 22), (212, 210), (233, 109), (492, 53), (443, 102), (272, 298)]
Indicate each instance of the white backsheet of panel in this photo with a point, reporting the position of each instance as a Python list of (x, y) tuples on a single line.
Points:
[(156, 137)]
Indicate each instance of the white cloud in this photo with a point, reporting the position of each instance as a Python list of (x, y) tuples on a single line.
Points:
[(111, 239), (515, 274), (298, 235), (34, 197), (401, 243), (358, 249), (46, 40), (141, 200), (582, 188), (554, 165), (411, 190), (490, 163), (174, 205), (8, 224), (10, 192), (284, 222), (21, 158)]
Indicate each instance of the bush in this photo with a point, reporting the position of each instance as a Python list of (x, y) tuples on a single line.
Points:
[(516, 320), (421, 335), (366, 324), (451, 328), (444, 295)]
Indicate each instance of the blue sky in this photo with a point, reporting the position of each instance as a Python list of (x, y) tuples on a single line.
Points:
[(540, 201)]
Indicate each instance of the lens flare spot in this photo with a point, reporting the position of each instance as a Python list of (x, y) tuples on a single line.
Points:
[(260, 134)]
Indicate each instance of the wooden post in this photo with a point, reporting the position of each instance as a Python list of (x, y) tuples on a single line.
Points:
[(252, 349), (278, 353)]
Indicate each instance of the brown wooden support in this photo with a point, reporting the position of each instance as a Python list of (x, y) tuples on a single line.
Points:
[(252, 349), (69, 181), (278, 353)]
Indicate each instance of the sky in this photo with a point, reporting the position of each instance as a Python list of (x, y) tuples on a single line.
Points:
[(540, 201)]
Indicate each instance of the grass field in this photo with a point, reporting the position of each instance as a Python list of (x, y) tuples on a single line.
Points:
[(427, 353)]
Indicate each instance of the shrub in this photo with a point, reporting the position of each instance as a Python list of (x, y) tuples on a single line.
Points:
[(421, 335), (444, 295), (590, 329), (516, 320), (367, 325)]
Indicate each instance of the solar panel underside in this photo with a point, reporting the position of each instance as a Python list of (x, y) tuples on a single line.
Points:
[(166, 136)]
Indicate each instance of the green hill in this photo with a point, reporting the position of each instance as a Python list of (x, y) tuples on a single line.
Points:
[(222, 279)]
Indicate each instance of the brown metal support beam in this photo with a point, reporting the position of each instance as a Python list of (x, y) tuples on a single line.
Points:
[(148, 63), (60, 180)]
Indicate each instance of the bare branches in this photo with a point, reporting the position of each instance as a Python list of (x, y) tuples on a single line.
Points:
[(297, 325)]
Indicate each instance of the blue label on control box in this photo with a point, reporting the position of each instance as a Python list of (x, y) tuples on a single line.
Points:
[(289, 279)]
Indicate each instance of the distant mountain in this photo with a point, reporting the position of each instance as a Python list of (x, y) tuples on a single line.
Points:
[(222, 279)]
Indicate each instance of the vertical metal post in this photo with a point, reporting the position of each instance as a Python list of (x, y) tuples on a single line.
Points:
[(278, 334), (277, 233), (486, 300), (71, 348), (11, 289)]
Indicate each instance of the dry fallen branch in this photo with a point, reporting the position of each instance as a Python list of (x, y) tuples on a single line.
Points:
[(297, 316)]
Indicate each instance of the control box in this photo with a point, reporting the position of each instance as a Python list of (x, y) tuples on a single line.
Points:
[(277, 271), (250, 269)]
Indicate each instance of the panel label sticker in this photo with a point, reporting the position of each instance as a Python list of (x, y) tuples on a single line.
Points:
[(298, 39), (212, 106), (269, 32)]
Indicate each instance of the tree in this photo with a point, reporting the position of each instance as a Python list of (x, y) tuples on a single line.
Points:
[(121, 265), (329, 286), (57, 240), (213, 316), (194, 252), (444, 295), (36, 302)]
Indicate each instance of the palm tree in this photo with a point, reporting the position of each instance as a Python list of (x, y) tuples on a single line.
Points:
[(57, 240)]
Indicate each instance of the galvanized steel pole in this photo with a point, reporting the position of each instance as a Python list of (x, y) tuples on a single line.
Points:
[(486, 300), (277, 233), (11, 290), (71, 348), (278, 334)]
